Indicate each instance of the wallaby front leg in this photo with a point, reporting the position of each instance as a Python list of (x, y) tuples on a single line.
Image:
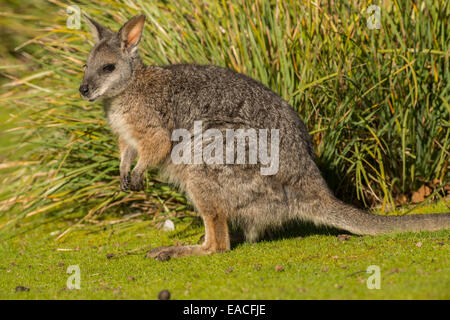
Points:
[(127, 156), (152, 148)]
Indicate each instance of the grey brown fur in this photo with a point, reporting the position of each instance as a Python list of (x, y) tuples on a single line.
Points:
[(144, 104)]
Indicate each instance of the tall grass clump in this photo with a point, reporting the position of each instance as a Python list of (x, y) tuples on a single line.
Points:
[(376, 102)]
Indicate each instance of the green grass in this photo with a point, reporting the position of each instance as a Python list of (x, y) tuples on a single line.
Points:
[(316, 265), (376, 103)]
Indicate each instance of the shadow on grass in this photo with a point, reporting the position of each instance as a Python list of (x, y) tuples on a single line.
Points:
[(288, 231)]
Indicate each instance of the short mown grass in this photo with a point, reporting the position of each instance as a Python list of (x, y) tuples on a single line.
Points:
[(311, 265), (376, 103)]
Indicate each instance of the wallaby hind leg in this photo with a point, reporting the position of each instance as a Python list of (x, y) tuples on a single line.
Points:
[(217, 237)]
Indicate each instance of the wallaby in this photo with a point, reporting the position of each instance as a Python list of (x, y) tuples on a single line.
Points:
[(145, 104)]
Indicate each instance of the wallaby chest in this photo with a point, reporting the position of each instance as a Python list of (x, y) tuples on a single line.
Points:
[(117, 120)]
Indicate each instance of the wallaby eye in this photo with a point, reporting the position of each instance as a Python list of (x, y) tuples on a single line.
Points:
[(109, 67)]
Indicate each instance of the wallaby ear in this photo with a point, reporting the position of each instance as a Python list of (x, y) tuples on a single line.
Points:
[(98, 31), (131, 32)]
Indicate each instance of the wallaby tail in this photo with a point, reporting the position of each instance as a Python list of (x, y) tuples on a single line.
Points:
[(334, 212)]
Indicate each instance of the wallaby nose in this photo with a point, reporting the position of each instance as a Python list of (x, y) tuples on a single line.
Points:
[(84, 89)]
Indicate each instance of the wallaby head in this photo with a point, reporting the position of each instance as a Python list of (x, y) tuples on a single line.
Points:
[(110, 65)]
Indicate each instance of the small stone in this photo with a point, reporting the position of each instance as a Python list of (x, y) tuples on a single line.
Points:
[(109, 255), (164, 295), (22, 289), (168, 225)]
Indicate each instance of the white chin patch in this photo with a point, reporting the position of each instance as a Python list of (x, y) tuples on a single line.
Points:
[(97, 94)]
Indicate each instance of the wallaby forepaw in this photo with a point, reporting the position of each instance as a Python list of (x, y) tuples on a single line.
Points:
[(136, 183), (125, 183)]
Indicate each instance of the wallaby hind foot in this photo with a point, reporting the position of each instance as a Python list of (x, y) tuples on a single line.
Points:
[(216, 240)]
